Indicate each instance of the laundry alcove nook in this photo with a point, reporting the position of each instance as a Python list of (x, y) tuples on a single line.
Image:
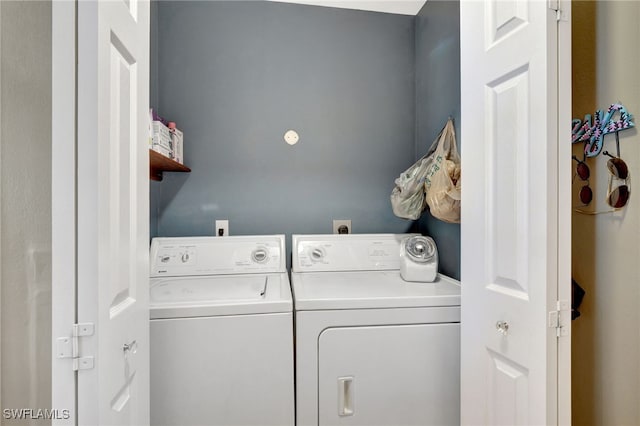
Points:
[(366, 91)]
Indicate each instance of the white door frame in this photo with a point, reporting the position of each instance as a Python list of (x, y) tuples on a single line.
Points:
[(1, 207), (564, 206), (63, 214)]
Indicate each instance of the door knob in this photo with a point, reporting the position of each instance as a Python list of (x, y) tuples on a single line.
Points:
[(502, 327)]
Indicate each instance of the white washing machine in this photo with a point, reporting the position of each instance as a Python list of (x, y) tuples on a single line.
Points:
[(371, 348), (221, 332)]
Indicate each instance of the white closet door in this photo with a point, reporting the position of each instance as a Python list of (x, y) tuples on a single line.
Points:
[(113, 209), (513, 246)]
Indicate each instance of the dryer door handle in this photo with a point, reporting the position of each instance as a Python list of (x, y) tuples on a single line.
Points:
[(345, 396)]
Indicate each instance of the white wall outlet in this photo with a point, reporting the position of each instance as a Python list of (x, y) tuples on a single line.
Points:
[(342, 226), (222, 228)]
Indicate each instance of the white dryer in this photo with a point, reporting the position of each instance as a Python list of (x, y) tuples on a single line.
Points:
[(371, 348), (221, 332)]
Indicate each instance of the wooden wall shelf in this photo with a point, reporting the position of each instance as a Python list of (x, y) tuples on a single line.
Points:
[(159, 163)]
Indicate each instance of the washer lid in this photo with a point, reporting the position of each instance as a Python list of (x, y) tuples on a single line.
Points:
[(369, 290), (219, 295)]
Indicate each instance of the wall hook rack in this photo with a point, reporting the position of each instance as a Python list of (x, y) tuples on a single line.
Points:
[(608, 154), (591, 130)]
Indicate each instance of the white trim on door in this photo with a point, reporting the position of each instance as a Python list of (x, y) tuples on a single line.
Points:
[(1, 205), (63, 214), (564, 208)]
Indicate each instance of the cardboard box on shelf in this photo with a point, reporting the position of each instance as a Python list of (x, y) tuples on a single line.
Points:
[(161, 136), (162, 150)]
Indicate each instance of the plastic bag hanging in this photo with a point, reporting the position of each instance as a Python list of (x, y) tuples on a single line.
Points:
[(408, 195), (443, 179)]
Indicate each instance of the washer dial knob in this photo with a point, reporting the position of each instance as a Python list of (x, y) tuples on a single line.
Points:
[(317, 254), (260, 255)]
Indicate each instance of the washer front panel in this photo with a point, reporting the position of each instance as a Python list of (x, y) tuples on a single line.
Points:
[(228, 370)]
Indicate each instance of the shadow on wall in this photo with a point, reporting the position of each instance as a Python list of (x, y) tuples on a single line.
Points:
[(437, 99), (583, 236)]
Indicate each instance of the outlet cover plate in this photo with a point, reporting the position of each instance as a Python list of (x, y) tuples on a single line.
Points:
[(337, 223), (224, 225)]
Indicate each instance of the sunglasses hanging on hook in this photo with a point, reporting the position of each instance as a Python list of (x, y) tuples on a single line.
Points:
[(583, 172), (619, 196), (591, 131), (617, 166)]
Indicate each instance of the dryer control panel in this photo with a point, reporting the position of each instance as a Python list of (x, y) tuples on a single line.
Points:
[(217, 255), (352, 252)]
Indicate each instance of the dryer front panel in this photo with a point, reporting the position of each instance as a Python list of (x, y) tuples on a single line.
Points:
[(389, 375)]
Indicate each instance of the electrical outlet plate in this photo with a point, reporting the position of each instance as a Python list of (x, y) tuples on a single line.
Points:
[(337, 223), (224, 226)]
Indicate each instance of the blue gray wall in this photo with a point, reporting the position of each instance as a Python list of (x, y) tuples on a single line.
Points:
[(438, 97), (236, 75), (366, 91)]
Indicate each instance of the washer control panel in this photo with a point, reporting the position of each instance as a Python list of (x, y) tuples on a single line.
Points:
[(217, 255), (182, 255)]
